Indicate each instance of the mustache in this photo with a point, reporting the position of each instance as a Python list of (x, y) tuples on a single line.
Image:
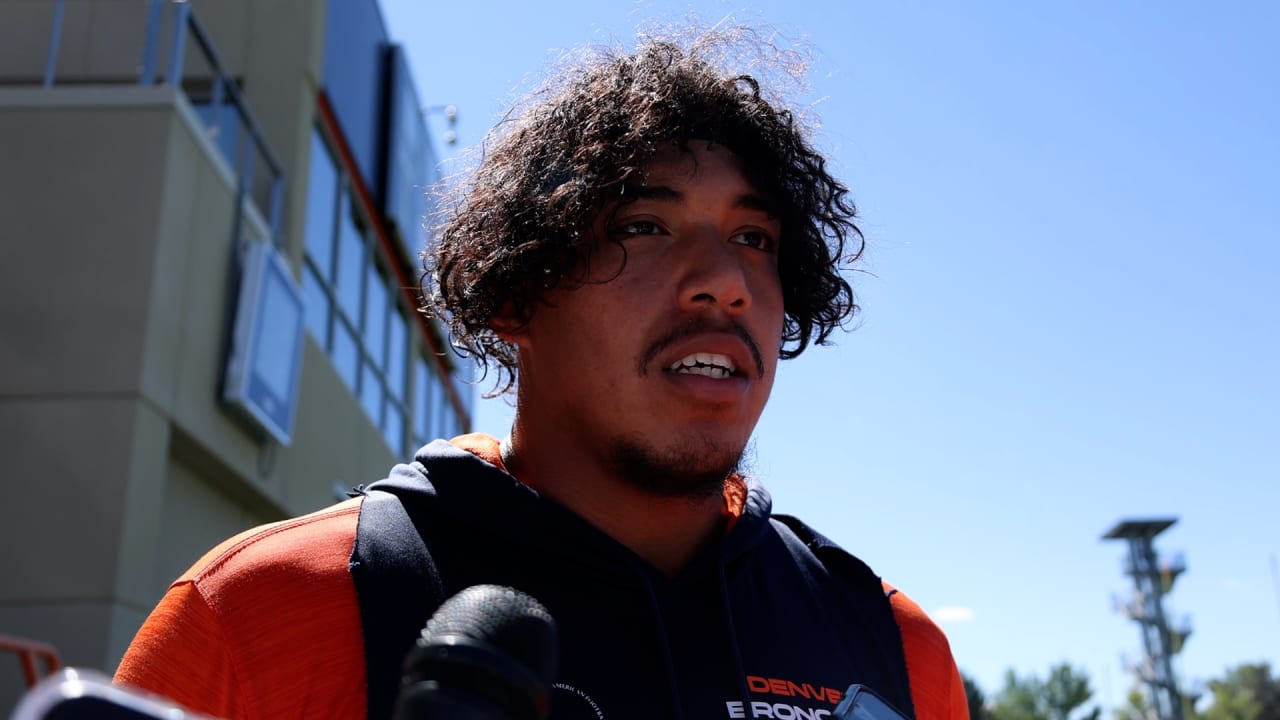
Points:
[(701, 326)]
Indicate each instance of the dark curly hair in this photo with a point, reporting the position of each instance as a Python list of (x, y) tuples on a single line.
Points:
[(521, 223)]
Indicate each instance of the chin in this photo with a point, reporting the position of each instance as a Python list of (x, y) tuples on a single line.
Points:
[(693, 467)]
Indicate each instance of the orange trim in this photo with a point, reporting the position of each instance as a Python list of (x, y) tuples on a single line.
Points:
[(936, 688), (28, 651), (407, 284)]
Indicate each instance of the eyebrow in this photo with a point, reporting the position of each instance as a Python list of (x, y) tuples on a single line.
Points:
[(663, 193)]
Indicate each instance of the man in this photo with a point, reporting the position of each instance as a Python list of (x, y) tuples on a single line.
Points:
[(635, 253)]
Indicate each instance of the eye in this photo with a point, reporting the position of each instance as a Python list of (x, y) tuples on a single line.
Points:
[(638, 227), (757, 239)]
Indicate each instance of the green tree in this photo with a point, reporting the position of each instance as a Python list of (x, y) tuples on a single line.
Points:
[(976, 698), (1066, 690), (1061, 697), (1246, 692), (1137, 706), (1019, 699)]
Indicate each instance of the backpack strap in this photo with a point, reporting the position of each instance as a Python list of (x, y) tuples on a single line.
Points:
[(874, 600), (398, 588)]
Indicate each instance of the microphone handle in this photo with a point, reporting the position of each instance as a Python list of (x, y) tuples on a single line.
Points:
[(426, 700)]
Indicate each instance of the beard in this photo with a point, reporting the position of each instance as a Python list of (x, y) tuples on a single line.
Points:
[(695, 469)]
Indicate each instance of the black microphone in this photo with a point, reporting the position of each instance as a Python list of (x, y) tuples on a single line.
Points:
[(862, 703), (488, 653)]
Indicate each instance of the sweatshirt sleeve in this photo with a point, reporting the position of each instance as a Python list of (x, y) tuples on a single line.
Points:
[(182, 654), (936, 688)]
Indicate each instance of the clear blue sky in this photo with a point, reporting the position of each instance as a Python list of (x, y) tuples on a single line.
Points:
[(1069, 306)]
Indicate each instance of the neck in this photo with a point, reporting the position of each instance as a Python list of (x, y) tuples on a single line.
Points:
[(666, 531)]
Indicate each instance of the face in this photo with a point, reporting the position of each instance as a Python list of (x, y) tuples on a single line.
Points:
[(660, 364)]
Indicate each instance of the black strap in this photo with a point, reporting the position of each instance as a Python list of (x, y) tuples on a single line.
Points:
[(881, 621), (398, 589)]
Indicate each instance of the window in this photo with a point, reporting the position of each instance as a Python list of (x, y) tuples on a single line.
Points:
[(357, 313), (322, 201), (433, 413)]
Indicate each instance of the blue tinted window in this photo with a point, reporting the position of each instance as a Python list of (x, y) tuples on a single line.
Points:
[(322, 200), (410, 158), (317, 305), (393, 428), (371, 393), (467, 393), (375, 316), (346, 354), (397, 332), (350, 263), (355, 51), (441, 409), (421, 399)]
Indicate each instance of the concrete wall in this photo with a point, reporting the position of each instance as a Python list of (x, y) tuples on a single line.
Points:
[(81, 441), (121, 465)]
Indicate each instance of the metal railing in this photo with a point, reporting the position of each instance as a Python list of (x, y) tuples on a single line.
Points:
[(166, 65), (29, 651)]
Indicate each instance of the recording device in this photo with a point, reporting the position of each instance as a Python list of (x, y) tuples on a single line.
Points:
[(488, 653), (861, 703), (73, 694)]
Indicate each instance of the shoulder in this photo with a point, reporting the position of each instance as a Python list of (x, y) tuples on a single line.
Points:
[(936, 688), (316, 544), (230, 635), (296, 569)]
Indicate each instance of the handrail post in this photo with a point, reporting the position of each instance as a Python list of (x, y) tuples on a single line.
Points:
[(55, 39), (181, 10), (151, 43), (215, 129)]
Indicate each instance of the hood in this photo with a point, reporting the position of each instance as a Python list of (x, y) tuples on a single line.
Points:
[(465, 478)]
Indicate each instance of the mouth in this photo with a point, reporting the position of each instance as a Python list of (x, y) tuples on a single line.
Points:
[(712, 365)]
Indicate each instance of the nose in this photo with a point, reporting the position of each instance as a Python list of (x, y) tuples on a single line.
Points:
[(714, 276)]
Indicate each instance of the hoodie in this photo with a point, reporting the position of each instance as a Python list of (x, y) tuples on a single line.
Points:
[(771, 620), (312, 616)]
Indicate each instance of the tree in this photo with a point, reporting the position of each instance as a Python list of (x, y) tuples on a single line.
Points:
[(1246, 692), (1066, 691), (1019, 699), (1137, 708), (976, 698)]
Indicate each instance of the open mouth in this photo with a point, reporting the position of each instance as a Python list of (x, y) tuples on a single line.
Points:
[(710, 365)]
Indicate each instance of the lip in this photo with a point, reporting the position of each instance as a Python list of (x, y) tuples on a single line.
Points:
[(716, 343), (709, 391)]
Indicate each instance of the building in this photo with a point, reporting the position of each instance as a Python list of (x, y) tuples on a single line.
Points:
[(151, 152)]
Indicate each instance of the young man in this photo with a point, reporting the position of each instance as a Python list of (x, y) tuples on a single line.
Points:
[(637, 251)]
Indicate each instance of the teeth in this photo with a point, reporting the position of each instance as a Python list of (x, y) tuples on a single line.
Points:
[(711, 365)]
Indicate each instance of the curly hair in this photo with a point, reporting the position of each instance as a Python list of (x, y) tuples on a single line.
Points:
[(521, 223)]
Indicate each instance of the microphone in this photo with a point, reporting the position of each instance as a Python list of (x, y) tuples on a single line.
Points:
[(862, 703), (72, 694), (488, 653)]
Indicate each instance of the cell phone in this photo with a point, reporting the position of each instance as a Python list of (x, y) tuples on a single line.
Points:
[(862, 703)]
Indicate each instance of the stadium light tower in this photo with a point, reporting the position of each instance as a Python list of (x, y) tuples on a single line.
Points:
[(1152, 579)]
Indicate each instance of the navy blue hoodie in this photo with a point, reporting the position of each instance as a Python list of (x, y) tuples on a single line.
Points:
[(771, 620)]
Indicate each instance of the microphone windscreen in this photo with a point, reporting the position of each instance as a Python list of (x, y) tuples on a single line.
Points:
[(506, 619), (487, 652)]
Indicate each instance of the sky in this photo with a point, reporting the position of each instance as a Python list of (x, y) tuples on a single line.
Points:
[(1069, 301)]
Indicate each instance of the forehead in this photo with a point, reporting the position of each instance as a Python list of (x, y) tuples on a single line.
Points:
[(693, 161)]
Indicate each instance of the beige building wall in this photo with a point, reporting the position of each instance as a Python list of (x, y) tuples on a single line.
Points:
[(119, 464)]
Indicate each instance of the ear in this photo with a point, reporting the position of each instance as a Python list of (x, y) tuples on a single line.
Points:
[(508, 326)]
